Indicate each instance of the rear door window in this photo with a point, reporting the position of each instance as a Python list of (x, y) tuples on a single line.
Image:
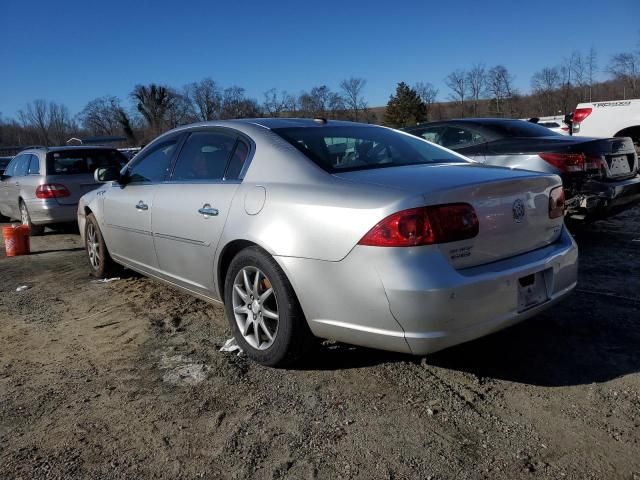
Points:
[(34, 165), (76, 162), (459, 137), (431, 134), (205, 156)]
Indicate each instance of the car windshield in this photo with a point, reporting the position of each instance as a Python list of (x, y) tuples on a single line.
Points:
[(72, 162), (345, 148), (519, 128)]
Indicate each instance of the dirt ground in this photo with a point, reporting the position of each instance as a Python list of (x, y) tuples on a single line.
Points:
[(125, 380)]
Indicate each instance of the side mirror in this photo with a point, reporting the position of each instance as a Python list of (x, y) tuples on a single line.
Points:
[(106, 174)]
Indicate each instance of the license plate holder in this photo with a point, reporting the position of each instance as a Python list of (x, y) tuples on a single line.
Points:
[(532, 291), (619, 165)]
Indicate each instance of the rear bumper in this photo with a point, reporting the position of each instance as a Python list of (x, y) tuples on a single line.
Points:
[(598, 200), (411, 300), (49, 211)]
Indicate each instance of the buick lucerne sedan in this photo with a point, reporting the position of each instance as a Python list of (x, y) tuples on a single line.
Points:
[(314, 228)]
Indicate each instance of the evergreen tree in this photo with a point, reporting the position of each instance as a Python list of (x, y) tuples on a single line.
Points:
[(405, 108)]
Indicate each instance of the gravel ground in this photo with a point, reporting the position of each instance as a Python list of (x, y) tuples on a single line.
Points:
[(125, 380)]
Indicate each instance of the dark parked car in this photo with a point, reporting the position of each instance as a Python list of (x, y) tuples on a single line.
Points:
[(4, 161), (600, 175)]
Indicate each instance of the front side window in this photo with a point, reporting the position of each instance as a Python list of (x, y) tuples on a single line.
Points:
[(82, 161), (344, 148), (34, 165), (11, 168), (154, 164), (205, 156)]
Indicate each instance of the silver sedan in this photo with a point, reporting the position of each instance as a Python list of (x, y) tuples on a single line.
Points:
[(315, 228)]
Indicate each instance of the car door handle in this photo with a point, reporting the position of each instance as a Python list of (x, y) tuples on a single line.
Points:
[(208, 211), (17, 184), (142, 206)]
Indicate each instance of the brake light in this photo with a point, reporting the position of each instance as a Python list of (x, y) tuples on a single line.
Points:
[(580, 114), (52, 190), (424, 226), (567, 162), (556, 202)]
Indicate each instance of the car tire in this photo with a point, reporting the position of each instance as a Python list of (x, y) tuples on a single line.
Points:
[(25, 218), (100, 263), (250, 307)]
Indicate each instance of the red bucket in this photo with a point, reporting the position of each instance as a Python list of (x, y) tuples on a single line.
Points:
[(16, 240)]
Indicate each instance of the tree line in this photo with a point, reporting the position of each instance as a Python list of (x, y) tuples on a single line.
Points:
[(478, 91)]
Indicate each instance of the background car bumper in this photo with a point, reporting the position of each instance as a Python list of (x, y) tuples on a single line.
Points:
[(411, 299), (49, 211), (600, 199)]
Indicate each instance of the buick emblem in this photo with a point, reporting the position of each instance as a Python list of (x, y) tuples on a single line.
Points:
[(518, 210)]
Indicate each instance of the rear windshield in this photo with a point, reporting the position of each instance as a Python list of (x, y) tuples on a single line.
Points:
[(73, 162), (519, 128), (345, 148)]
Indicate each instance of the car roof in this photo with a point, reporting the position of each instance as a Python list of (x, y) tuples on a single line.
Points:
[(481, 121), (271, 123), (65, 149)]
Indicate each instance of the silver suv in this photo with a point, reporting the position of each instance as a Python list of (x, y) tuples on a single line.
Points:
[(42, 186)]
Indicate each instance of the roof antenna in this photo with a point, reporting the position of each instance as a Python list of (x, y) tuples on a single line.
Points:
[(320, 120)]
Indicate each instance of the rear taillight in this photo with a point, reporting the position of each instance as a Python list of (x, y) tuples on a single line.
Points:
[(52, 190), (580, 114), (424, 226), (567, 162), (556, 202)]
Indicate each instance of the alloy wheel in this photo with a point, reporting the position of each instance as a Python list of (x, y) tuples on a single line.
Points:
[(255, 307), (93, 246)]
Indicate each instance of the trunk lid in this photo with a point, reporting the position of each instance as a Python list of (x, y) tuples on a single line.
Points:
[(512, 206), (611, 157), (77, 185)]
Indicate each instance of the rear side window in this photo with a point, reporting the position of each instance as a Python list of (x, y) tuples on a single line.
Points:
[(75, 162), (205, 156), (34, 165), (237, 161), (345, 148), (519, 128)]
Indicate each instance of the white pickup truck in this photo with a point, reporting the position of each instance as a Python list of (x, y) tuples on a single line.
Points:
[(617, 118)]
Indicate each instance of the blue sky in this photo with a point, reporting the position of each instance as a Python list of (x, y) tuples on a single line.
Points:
[(73, 51)]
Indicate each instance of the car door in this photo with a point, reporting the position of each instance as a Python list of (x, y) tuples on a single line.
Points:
[(190, 209), (14, 184), (6, 187), (128, 206)]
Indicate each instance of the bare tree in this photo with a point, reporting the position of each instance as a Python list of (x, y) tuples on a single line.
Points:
[(476, 81), (592, 68), (100, 116), (60, 124), (353, 98), (321, 102), (36, 116), (428, 94), (180, 110), (206, 99), (457, 83), (500, 87), (546, 83), (236, 105), (275, 104), (153, 102), (626, 67)]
